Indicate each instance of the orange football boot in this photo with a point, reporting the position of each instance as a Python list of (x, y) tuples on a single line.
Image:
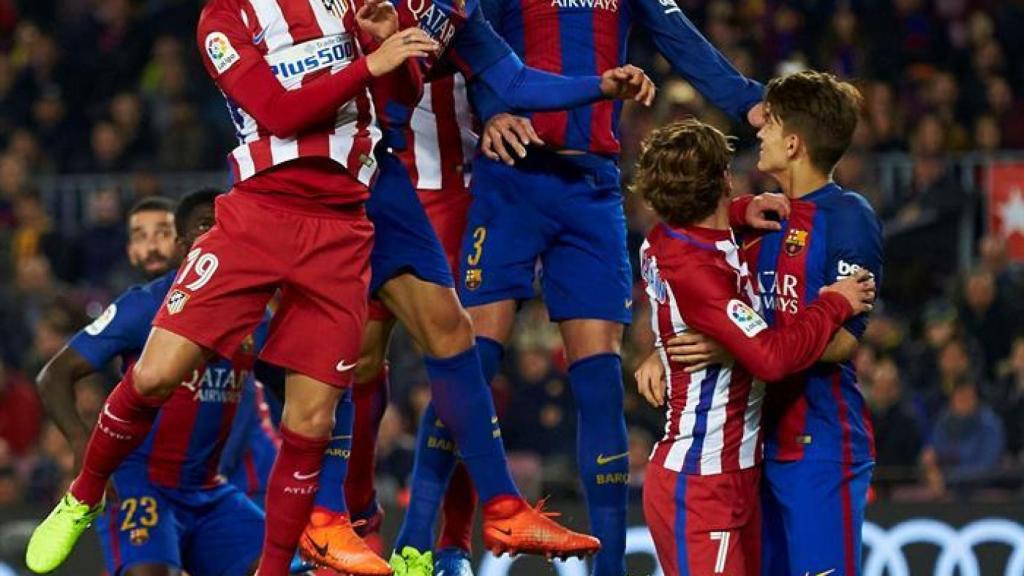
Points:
[(511, 525), (331, 541)]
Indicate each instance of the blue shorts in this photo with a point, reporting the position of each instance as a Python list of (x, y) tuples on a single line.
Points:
[(404, 240), (253, 469), (813, 515), (563, 211), (212, 532)]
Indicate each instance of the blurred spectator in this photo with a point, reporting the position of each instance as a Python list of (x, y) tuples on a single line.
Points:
[(21, 412), (541, 416), (106, 150), (1008, 397), (395, 450), (101, 246), (34, 234), (10, 483), (988, 316), (897, 429), (183, 145), (966, 445)]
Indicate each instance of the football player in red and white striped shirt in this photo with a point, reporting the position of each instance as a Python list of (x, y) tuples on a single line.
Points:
[(701, 497), (296, 82)]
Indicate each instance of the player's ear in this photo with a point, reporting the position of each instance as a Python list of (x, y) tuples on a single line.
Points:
[(793, 145)]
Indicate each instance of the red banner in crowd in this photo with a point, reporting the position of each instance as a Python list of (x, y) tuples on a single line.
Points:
[(1006, 207)]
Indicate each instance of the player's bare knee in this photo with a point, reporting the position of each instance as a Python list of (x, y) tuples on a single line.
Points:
[(310, 420), (155, 381), (448, 331)]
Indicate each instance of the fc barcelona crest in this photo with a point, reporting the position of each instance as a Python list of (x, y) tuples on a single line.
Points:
[(474, 277), (795, 242)]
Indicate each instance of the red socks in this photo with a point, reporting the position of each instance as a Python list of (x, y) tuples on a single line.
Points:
[(124, 422), (371, 400), (459, 506), (291, 489)]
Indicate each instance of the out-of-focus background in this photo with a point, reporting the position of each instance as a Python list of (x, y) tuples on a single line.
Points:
[(103, 102)]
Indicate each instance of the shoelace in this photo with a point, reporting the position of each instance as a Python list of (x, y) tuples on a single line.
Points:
[(424, 561), (539, 508)]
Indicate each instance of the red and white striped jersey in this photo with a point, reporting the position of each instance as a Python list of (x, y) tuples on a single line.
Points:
[(443, 137), (696, 280), (252, 48)]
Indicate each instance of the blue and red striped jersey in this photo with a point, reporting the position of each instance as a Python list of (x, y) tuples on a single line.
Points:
[(818, 414), (469, 45), (183, 449), (588, 37)]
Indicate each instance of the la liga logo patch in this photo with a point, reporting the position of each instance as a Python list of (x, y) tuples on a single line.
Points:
[(220, 51), (745, 318)]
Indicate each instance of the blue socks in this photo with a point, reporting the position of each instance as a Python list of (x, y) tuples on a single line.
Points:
[(335, 465), (462, 400), (436, 459), (602, 453)]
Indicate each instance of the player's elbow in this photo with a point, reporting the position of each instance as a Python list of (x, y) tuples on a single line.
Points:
[(768, 372)]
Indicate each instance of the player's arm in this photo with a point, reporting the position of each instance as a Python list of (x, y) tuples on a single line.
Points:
[(694, 58), (854, 244), (708, 303), (240, 71), (482, 55), (56, 383)]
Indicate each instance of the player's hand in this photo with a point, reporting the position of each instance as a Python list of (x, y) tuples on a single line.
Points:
[(650, 380), (378, 18), (627, 82), (859, 291), (755, 116), (696, 351), (765, 205), (399, 47), (504, 131)]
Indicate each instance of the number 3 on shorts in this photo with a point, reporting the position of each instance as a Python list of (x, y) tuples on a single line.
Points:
[(723, 550), (204, 264)]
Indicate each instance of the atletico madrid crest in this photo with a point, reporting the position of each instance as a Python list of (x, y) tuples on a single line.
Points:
[(795, 242)]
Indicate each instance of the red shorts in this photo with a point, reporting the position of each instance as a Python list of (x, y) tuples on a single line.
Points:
[(705, 525), (448, 211), (318, 258)]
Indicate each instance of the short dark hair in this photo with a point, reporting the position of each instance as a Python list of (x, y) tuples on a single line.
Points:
[(819, 108), (189, 203), (152, 204), (682, 170)]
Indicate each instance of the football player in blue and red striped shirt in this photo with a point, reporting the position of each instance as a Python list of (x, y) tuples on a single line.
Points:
[(562, 205), (172, 505), (819, 449), (701, 497)]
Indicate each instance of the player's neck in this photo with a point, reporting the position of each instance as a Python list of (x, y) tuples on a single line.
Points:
[(800, 180), (719, 220)]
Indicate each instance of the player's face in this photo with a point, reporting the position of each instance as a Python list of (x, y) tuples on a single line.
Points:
[(151, 242), (197, 224), (774, 146)]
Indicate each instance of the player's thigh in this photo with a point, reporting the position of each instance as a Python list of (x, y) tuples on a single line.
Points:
[(822, 505), (431, 313), (226, 537), (222, 288), (661, 513), (404, 239), (586, 269), (505, 233), (317, 328), (721, 510), (774, 553), (448, 212), (140, 528)]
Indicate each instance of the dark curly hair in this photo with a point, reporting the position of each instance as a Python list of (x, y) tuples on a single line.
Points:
[(819, 108), (681, 171)]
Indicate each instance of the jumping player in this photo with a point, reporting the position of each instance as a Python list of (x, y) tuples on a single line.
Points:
[(816, 423), (701, 493), (561, 204), (296, 83), (172, 507), (412, 277)]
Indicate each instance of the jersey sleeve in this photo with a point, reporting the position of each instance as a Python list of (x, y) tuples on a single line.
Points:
[(242, 74), (694, 58), (482, 55), (709, 303), (122, 327), (855, 243)]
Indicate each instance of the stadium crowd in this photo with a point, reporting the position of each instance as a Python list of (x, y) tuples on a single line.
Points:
[(89, 86)]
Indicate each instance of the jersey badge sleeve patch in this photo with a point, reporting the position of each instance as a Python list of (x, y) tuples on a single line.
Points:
[(744, 317), (220, 51), (102, 321)]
